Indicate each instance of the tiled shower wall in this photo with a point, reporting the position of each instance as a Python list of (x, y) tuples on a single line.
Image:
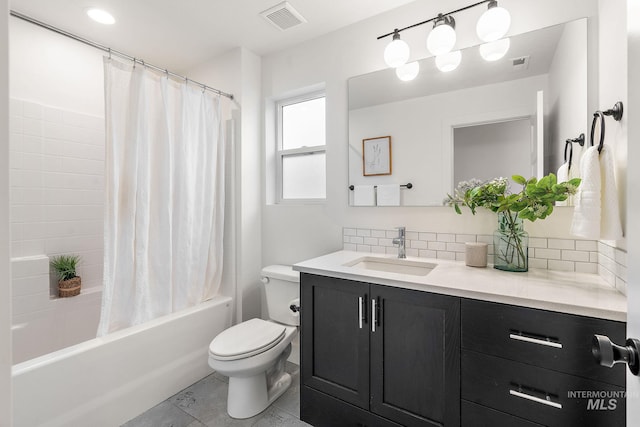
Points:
[(583, 256), (57, 185)]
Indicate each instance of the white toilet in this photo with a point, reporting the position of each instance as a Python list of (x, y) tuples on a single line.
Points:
[(253, 353)]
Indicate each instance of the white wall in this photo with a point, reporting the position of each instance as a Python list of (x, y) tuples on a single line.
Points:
[(54, 70), (5, 275), (567, 99), (309, 230), (633, 196)]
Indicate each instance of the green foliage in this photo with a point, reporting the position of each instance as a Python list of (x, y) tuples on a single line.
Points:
[(534, 201), (65, 266)]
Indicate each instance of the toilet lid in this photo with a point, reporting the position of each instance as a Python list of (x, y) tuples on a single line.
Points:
[(246, 339)]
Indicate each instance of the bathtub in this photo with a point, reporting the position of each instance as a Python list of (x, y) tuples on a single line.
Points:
[(109, 380)]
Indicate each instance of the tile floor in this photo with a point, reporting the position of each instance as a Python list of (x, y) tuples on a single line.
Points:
[(204, 404)]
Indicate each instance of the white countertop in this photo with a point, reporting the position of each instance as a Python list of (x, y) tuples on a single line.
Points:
[(565, 292)]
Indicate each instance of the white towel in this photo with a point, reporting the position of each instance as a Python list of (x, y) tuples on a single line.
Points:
[(563, 175), (597, 214), (610, 224), (364, 195), (388, 195)]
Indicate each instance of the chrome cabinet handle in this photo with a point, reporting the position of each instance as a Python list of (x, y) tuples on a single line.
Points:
[(360, 301), (535, 399), (532, 340), (373, 315)]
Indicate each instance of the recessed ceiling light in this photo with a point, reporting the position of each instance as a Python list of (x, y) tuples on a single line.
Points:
[(101, 16)]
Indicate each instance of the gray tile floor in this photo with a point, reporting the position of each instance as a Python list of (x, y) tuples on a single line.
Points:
[(205, 404)]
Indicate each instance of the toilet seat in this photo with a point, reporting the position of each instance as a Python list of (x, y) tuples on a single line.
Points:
[(246, 339)]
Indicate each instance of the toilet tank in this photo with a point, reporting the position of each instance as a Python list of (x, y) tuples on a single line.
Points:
[(282, 289)]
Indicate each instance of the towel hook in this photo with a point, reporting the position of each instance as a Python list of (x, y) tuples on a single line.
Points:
[(569, 145), (598, 116), (615, 112)]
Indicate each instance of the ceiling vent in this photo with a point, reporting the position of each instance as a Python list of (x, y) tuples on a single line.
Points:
[(283, 16), (521, 63)]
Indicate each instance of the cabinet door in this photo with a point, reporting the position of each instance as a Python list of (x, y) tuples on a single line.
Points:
[(335, 337), (415, 357)]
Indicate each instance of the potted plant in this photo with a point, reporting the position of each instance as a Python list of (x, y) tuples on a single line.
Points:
[(534, 201), (69, 282)]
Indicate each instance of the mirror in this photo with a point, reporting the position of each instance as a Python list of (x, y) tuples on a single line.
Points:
[(482, 120)]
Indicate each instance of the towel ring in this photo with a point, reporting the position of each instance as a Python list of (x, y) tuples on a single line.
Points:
[(579, 140), (598, 116), (568, 144)]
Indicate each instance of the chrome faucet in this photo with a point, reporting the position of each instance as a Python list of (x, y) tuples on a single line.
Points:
[(400, 241)]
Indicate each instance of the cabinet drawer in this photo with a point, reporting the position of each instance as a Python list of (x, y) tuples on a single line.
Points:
[(322, 410), (540, 395), (557, 341), (474, 415)]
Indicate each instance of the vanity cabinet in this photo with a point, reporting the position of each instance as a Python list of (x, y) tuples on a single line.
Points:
[(537, 366), (374, 355)]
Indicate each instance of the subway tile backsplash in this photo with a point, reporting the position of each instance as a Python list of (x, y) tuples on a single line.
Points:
[(582, 256)]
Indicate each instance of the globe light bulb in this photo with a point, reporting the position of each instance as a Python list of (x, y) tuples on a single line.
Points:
[(448, 61), (443, 36), (494, 23), (493, 51), (408, 72), (397, 52)]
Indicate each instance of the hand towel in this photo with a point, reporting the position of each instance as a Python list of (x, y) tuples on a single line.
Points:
[(586, 215), (597, 213), (364, 195), (388, 195), (610, 223), (563, 175)]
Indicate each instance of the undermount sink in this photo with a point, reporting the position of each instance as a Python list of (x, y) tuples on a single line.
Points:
[(393, 265)]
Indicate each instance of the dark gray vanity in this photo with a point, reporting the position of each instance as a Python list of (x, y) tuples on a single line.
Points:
[(379, 352)]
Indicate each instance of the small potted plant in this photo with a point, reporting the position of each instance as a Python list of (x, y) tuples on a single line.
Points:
[(68, 282), (534, 201)]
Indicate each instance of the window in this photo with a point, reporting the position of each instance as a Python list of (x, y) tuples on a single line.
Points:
[(300, 156)]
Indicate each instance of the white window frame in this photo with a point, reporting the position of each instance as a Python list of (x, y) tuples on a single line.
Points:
[(281, 154)]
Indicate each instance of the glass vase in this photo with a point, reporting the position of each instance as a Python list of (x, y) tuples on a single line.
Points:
[(510, 243)]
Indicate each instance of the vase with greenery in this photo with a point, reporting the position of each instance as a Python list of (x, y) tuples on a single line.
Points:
[(534, 201), (69, 282)]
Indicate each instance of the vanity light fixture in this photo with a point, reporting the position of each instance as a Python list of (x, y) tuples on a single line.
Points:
[(397, 52), (495, 50), (448, 61), (101, 16), (494, 23), (491, 27), (409, 71)]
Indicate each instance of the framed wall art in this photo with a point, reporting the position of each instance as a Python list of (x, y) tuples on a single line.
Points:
[(376, 156)]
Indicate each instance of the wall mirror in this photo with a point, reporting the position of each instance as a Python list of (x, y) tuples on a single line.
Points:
[(481, 120)]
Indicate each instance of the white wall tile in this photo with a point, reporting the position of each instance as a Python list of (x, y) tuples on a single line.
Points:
[(349, 232), (446, 255), (553, 264), (426, 253), (570, 255), (446, 237), (456, 247), (419, 244), (378, 233), (538, 263), (547, 253), (362, 232), (437, 246), (363, 248), (427, 236), (464, 238), (586, 245), (371, 241), (537, 242), (587, 267), (561, 244), (349, 247)]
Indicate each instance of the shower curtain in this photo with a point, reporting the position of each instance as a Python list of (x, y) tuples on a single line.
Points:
[(164, 206)]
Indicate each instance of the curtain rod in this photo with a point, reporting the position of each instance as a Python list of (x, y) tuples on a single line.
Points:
[(114, 52)]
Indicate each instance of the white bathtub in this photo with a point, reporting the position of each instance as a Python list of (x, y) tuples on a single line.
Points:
[(107, 381)]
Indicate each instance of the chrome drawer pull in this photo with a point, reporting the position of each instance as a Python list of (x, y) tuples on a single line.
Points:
[(360, 312), (373, 315), (535, 399), (535, 340)]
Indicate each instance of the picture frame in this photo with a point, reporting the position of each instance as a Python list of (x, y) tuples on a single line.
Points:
[(376, 156)]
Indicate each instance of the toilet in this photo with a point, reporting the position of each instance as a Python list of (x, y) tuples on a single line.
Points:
[(253, 353)]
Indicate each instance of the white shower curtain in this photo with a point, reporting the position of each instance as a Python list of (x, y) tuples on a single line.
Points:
[(164, 206)]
